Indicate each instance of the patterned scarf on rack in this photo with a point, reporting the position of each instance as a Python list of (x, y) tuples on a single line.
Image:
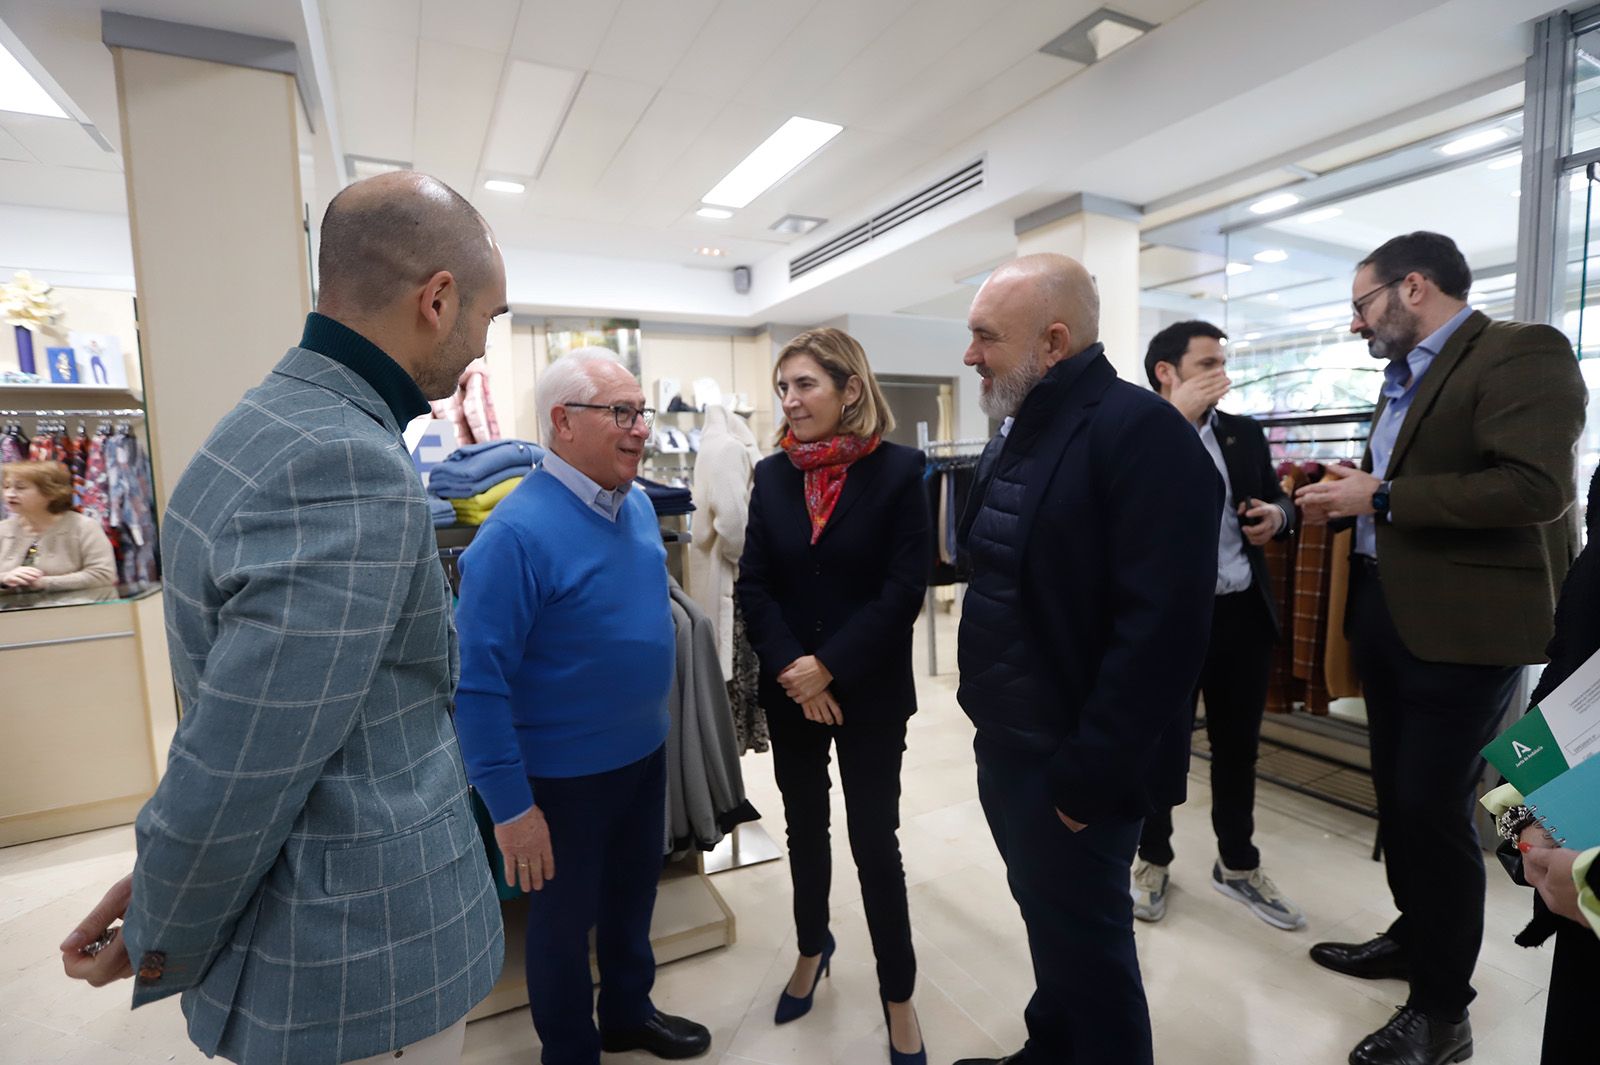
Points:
[(826, 463)]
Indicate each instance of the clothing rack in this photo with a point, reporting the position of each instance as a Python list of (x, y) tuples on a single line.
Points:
[(942, 453), (1317, 436), (128, 412)]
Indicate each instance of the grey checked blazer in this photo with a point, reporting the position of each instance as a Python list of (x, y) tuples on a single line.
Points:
[(309, 873)]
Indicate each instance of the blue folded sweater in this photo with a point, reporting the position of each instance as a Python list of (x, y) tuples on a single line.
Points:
[(475, 469)]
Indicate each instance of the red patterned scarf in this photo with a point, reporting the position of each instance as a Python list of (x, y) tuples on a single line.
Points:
[(826, 464)]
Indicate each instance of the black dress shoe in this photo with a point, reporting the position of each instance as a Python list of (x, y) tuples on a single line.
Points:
[(1379, 958), (1413, 1038), (1009, 1059), (663, 1035)]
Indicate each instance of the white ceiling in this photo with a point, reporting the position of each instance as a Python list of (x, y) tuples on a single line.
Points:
[(672, 95)]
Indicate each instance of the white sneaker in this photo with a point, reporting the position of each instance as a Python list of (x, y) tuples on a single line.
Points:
[(1256, 890), (1149, 891)]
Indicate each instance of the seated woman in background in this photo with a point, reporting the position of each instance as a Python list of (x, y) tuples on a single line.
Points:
[(44, 545)]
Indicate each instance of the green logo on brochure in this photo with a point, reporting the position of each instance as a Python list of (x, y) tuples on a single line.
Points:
[(1527, 754)]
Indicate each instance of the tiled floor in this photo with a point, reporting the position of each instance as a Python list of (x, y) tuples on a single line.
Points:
[(1224, 988)]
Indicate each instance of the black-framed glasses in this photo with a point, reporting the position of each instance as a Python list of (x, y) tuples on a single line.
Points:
[(1359, 304), (625, 414)]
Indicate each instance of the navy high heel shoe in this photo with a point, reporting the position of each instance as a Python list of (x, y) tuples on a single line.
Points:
[(896, 1057), (790, 1007)]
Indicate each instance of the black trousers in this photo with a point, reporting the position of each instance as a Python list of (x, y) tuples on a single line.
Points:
[(1574, 974), (1427, 721), (1234, 683), (869, 771), (607, 832), (1088, 1006)]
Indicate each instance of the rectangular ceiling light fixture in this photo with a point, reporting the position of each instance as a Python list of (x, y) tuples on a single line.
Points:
[(357, 167), (498, 185), (1092, 39), (528, 116), (1473, 141), (1281, 202), (21, 92), (774, 159)]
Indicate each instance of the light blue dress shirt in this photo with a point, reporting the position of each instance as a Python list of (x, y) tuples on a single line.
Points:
[(1400, 380), (1233, 565), (606, 502)]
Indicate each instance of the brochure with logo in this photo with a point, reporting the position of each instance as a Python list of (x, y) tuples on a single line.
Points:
[(1559, 733)]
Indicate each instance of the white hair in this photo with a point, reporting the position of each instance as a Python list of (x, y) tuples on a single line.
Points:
[(568, 380)]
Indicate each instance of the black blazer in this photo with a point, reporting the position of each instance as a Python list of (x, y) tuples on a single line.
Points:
[(1118, 576), (851, 598), (1251, 474)]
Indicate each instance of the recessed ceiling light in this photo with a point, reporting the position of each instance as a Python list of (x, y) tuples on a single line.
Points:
[(1235, 269), (714, 212), (1274, 297), (712, 252), (796, 223), (497, 185), (21, 92), (1282, 201), (1311, 218), (1505, 162), (1252, 336), (1271, 255), (1473, 141), (1093, 38), (772, 160)]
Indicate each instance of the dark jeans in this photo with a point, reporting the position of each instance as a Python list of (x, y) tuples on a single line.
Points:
[(608, 832), (1072, 887), (869, 771), (1234, 683), (1427, 722)]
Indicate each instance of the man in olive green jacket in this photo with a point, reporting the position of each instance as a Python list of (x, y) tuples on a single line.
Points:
[(1464, 532)]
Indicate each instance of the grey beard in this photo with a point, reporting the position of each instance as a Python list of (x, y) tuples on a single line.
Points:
[(1004, 396)]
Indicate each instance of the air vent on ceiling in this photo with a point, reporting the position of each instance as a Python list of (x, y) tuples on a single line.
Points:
[(942, 191)]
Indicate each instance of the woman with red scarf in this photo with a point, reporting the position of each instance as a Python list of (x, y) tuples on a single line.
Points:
[(836, 559)]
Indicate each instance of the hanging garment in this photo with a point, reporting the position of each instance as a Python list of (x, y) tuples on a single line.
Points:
[(95, 499), (744, 691), (132, 508), (1311, 608), (1338, 664), (728, 458), (949, 482), (76, 459), (1282, 688), (705, 790), (471, 407)]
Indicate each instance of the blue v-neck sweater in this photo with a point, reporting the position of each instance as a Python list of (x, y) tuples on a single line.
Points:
[(567, 642)]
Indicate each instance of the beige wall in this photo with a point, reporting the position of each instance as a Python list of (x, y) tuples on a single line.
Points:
[(213, 174)]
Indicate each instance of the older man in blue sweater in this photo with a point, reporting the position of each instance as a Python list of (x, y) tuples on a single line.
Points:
[(567, 652)]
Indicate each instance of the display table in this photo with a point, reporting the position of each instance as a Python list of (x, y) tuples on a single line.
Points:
[(89, 708)]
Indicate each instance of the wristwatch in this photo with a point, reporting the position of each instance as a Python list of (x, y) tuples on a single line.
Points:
[(1380, 501)]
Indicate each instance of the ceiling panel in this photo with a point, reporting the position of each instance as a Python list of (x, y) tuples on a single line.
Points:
[(859, 164), (10, 147), (816, 51), (70, 188), (60, 142), (991, 50), (602, 116), (562, 33), (648, 38), (953, 305), (456, 89), (377, 78), (890, 61), (738, 38), (529, 111), (995, 99), (672, 121), (487, 25), (401, 16)]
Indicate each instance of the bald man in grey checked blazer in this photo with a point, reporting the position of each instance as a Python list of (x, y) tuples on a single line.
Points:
[(309, 874)]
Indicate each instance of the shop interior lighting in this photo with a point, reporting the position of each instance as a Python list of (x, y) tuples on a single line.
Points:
[(1235, 269), (1271, 255), (21, 92), (497, 185), (714, 212), (357, 167), (1281, 202), (710, 252), (1321, 214), (798, 224), (1473, 141), (1506, 162), (794, 142), (1100, 34), (1252, 336)]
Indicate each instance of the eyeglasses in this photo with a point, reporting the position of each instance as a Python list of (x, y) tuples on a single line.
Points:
[(1358, 304), (624, 414)]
